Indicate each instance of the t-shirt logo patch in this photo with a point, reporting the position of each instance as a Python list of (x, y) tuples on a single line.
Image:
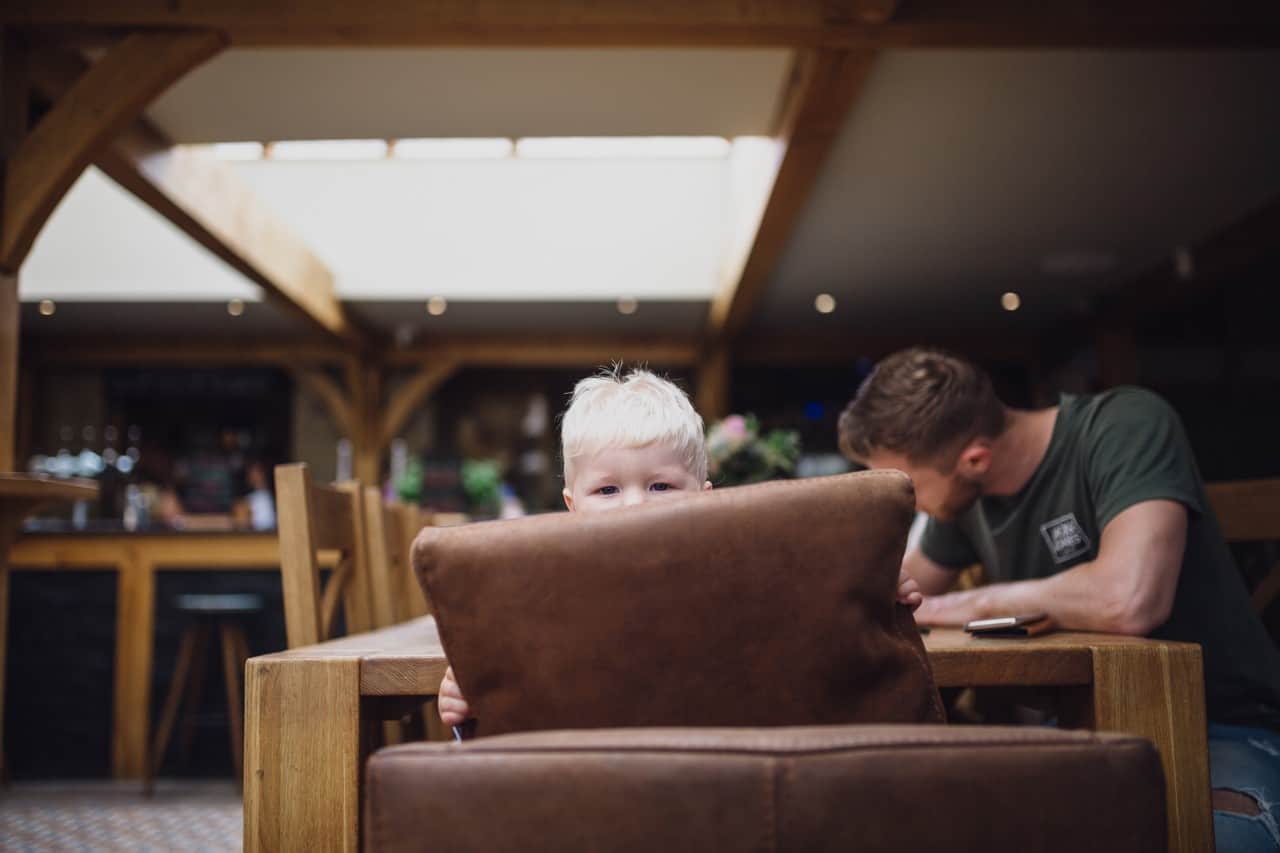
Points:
[(1065, 537)]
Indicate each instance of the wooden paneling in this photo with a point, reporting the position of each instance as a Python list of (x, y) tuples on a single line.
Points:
[(98, 106)]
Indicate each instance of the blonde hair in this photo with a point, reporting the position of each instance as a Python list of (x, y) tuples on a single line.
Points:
[(609, 410)]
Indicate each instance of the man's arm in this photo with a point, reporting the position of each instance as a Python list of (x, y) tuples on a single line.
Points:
[(932, 578), (1128, 589)]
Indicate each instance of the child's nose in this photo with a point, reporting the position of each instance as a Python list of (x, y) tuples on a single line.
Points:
[(633, 497)]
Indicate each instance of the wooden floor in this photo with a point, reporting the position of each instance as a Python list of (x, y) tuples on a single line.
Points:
[(114, 816)]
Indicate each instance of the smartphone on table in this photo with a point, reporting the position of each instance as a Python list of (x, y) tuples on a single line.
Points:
[(1010, 626)]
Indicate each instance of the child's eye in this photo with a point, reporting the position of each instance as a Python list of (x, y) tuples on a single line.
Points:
[(660, 487), (607, 490)]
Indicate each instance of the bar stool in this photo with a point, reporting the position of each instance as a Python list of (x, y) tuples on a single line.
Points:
[(226, 613)]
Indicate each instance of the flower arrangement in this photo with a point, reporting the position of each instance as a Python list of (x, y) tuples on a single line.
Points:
[(737, 454)]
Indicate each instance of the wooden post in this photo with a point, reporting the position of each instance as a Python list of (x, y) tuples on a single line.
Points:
[(8, 371), (14, 104), (364, 379), (135, 639), (712, 394)]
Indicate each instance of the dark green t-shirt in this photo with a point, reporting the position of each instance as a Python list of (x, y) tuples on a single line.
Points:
[(1109, 452)]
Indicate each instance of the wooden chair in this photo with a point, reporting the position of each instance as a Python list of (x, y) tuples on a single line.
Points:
[(397, 595), (312, 518), (1249, 511)]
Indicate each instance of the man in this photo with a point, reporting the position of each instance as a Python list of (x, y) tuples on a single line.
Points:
[(1093, 513)]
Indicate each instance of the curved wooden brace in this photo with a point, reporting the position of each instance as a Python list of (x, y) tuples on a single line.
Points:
[(82, 122), (412, 394), (321, 386)]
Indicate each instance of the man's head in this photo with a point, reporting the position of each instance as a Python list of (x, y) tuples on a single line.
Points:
[(932, 415), (630, 439)]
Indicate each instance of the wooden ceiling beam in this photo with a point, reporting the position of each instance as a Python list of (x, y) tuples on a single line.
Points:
[(824, 87), (128, 351), (84, 118), (566, 351), (842, 24), (209, 202)]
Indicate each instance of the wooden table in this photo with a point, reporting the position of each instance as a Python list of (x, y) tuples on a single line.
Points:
[(310, 714), (136, 557), (20, 495)]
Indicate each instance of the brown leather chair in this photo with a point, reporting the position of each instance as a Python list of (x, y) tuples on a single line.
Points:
[(865, 788), (643, 634)]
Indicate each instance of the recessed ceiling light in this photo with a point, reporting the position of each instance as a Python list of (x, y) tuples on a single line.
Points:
[(235, 307), (824, 303), (627, 305), (437, 305), (1010, 301), (47, 307)]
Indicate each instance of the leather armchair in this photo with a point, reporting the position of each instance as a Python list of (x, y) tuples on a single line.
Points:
[(726, 672)]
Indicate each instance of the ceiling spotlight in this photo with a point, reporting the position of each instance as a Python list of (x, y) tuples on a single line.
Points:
[(437, 305), (824, 303), (47, 307), (627, 305), (1010, 301), (235, 307)]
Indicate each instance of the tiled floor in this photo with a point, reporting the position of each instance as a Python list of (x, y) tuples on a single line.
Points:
[(114, 816)]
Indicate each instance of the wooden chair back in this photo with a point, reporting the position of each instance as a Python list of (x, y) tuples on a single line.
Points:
[(411, 521), (397, 595), (1249, 511), (312, 518)]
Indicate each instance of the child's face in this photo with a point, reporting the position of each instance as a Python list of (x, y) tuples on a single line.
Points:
[(625, 476)]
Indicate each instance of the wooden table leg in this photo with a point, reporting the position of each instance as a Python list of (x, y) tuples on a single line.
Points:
[(1158, 692), (135, 641), (302, 761)]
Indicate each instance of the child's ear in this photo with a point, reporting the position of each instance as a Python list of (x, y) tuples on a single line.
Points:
[(568, 499), (706, 487)]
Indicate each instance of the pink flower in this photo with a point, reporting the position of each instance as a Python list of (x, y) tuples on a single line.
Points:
[(734, 426)]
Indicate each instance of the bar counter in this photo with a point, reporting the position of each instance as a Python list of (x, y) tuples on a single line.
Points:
[(136, 557)]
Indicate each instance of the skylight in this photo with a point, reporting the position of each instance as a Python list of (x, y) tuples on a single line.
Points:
[(543, 147)]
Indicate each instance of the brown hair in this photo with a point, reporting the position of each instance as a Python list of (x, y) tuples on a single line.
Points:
[(920, 402)]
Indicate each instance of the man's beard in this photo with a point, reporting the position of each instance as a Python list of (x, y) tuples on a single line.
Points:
[(961, 495)]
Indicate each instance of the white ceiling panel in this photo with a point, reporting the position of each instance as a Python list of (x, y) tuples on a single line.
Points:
[(264, 94)]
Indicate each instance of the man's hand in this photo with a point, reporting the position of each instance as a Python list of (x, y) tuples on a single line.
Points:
[(453, 706), (908, 590), (954, 608)]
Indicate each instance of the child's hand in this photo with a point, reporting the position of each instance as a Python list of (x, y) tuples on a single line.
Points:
[(453, 707), (908, 594)]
